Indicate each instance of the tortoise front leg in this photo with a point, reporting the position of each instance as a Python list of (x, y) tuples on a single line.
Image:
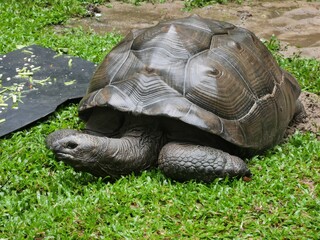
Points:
[(185, 162), (135, 151)]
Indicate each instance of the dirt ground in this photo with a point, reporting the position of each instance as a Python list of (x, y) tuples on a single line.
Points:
[(311, 121), (295, 23)]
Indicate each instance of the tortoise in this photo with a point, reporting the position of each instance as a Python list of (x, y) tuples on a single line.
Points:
[(191, 96)]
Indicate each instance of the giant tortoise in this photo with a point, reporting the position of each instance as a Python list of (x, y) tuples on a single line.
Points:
[(191, 96)]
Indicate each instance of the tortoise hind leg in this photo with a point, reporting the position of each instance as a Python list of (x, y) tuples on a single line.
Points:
[(185, 162)]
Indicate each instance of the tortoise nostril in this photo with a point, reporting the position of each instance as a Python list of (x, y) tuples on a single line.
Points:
[(71, 145)]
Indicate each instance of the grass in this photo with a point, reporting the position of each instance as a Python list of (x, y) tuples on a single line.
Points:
[(305, 70), (41, 198), (37, 22), (191, 4)]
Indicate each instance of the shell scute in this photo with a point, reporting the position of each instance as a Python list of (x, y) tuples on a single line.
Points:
[(206, 73), (224, 93)]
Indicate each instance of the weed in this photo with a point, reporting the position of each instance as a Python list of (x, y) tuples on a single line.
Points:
[(190, 4)]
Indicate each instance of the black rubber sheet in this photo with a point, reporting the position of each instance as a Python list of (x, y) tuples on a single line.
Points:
[(34, 81)]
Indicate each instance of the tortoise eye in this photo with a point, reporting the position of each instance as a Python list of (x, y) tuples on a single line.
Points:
[(71, 145)]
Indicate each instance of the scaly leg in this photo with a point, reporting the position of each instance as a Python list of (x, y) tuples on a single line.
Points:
[(185, 162)]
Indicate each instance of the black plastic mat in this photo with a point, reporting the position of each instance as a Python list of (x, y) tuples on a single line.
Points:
[(34, 81)]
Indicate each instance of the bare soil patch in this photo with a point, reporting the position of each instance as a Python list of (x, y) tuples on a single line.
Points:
[(294, 22), (311, 122)]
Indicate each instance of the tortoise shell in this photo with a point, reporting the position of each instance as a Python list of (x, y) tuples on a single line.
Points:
[(210, 74)]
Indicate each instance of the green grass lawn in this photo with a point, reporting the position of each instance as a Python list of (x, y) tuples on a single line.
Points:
[(41, 198)]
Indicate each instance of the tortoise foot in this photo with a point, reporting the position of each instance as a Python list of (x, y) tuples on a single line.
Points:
[(185, 162)]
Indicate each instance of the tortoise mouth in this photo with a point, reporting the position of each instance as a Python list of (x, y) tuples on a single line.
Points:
[(64, 156), (70, 160)]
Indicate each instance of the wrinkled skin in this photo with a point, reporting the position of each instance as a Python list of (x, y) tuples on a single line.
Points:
[(140, 148), (180, 151)]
